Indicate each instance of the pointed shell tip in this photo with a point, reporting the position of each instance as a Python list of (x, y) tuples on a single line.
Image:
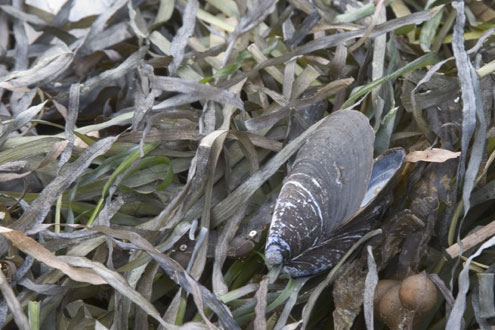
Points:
[(273, 256)]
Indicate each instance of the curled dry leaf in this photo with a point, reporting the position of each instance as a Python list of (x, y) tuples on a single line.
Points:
[(431, 155)]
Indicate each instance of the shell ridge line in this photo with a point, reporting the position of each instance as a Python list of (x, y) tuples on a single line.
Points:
[(313, 207), (306, 190), (276, 244), (316, 204), (312, 178), (313, 204)]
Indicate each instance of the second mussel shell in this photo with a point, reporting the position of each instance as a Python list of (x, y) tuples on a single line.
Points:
[(290, 242)]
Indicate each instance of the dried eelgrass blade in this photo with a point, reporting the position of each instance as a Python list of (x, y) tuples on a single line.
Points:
[(420, 62), (429, 30), (51, 156), (476, 303), (14, 305), (137, 22), (336, 39), (40, 207), (4, 30), (455, 319), (226, 235), (197, 90), (59, 21), (23, 147), (179, 42), (22, 15), (48, 289), (145, 287), (177, 274), (40, 253), (13, 166), (20, 120), (118, 120), (260, 310), (177, 233), (120, 284), (55, 60), (272, 118), (99, 25), (472, 109), (377, 67), (304, 29), (214, 142), (369, 292), (289, 77), (447, 294), (378, 10), (22, 47), (261, 58), (356, 14), (143, 98), (486, 295), (257, 11), (70, 124), (417, 112), (107, 76), (228, 109), (305, 79)]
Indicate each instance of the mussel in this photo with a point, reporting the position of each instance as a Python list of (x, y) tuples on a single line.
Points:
[(319, 213)]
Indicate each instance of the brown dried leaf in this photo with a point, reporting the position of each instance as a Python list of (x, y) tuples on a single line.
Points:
[(431, 155), (40, 253)]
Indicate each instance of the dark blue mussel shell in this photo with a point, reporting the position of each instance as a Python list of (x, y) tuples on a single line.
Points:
[(329, 195)]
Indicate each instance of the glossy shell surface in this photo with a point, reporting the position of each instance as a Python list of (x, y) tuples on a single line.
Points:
[(324, 188)]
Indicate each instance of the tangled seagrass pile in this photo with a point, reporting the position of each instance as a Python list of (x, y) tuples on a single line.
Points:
[(143, 149)]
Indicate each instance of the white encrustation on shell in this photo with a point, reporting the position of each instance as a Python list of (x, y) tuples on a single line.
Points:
[(323, 189)]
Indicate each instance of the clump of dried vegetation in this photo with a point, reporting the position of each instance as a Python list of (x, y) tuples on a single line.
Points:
[(141, 150)]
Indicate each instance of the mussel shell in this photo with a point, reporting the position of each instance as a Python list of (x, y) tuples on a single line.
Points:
[(324, 188), (377, 200), (384, 168)]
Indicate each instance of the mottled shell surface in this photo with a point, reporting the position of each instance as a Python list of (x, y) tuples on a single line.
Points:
[(323, 189)]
